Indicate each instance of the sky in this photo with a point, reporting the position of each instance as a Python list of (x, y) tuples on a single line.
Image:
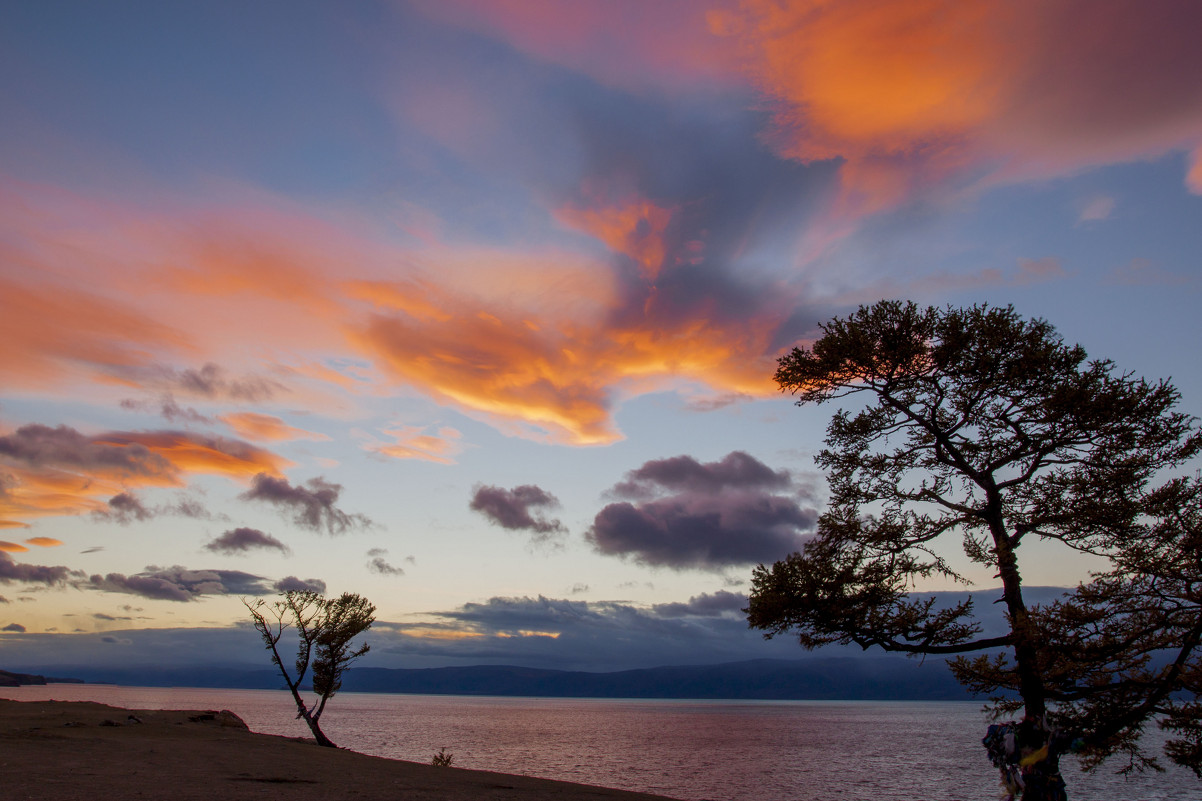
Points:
[(472, 306)]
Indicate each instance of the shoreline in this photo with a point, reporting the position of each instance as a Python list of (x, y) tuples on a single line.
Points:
[(83, 750)]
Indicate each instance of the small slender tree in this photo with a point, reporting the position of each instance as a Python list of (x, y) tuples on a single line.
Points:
[(324, 630), (985, 428)]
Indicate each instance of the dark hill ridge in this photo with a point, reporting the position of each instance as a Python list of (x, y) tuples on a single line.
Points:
[(824, 678), (8, 679)]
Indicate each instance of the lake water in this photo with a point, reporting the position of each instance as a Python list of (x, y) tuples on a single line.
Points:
[(719, 750)]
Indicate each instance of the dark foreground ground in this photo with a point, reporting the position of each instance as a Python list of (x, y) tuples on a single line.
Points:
[(65, 751)]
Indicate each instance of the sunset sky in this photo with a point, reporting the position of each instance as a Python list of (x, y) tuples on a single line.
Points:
[(472, 306)]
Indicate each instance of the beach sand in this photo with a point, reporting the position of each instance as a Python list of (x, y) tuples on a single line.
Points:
[(65, 751)]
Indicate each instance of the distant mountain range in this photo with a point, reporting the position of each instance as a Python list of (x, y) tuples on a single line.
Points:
[(819, 678)]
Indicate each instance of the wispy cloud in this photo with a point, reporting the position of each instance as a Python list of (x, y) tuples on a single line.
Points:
[(378, 564), (1145, 272), (312, 505), (410, 442)]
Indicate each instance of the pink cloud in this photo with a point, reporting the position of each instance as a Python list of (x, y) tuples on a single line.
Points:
[(631, 44)]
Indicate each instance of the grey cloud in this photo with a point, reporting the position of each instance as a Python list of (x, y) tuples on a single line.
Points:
[(16, 628), (511, 509), (4, 600), (180, 583), (707, 516), (11, 571), (93, 549), (294, 584), (311, 506), (243, 540)]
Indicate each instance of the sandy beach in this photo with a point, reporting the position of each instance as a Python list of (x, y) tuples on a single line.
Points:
[(83, 751)]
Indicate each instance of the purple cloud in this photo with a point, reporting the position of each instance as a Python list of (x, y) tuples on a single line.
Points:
[(294, 584), (242, 540), (16, 628), (11, 571), (42, 446), (704, 605), (124, 508), (180, 584), (511, 509), (737, 470), (311, 506), (711, 516)]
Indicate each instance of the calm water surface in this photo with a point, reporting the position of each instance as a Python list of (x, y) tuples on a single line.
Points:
[(719, 750)]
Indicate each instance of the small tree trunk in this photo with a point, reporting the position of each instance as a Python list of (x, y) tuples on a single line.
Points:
[(303, 711)]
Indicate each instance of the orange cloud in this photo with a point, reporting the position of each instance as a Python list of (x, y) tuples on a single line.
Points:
[(919, 93), (539, 342), (265, 427), (1193, 179), (12, 547), (412, 444), (636, 230), (561, 380), (44, 542)]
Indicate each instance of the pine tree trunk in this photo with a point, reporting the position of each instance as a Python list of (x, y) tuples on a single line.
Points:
[(1026, 657)]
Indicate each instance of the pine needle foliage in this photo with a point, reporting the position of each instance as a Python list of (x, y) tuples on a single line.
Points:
[(981, 426)]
